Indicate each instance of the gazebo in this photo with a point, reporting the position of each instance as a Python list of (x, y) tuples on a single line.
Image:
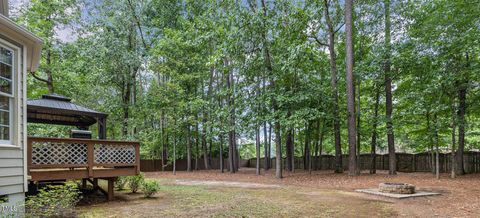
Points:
[(60, 110), (59, 159)]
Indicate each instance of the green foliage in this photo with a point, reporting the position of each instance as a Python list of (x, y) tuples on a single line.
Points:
[(54, 201), (135, 182), (121, 182), (150, 188), (160, 69)]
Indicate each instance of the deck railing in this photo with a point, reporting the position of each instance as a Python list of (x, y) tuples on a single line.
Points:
[(45, 153)]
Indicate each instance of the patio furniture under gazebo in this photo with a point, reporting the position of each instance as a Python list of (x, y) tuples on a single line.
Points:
[(53, 159)]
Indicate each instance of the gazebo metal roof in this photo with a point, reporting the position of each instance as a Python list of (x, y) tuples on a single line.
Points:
[(57, 109)]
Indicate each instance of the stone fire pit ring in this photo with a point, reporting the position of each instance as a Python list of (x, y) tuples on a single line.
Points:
[(397, 188)]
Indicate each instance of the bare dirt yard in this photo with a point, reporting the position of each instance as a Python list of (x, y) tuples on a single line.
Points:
[(299, 194)]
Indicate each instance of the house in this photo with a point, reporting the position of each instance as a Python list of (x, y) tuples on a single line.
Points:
[(26, 160), (19, 52)]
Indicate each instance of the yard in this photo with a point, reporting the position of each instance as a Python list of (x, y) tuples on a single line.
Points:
[(321, 194)]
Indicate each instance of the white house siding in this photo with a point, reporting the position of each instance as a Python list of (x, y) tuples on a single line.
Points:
[(12, 161), (12, 175)]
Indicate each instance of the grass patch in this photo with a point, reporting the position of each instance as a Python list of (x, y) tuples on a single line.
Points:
[(204, 201)]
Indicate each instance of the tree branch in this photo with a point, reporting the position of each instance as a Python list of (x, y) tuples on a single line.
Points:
[(335, 32), (319, 42), (39, 78), (137, 21)]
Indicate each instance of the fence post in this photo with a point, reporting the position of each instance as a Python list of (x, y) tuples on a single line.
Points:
[(414, 162)]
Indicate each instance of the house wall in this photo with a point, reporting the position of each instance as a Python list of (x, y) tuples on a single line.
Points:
[(13, 181)]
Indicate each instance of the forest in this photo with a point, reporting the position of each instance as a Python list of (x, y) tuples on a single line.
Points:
[(266, 79)]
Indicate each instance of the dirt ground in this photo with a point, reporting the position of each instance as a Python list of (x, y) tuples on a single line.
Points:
[(299, 194)]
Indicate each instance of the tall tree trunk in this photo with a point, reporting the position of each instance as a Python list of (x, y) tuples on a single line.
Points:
[(293, 149), (210, 148), (197, 142), (358, 113), (289, 150), (231, 134), (265, 144), (307, 147), (164, 142), (266, 164), (316, 147), (462, 106), (333, 71), (206, 155), (373, 150), (221, 104), (278, 143), (392, 169), (48, 71), (126, 105), (270, 126), (454, 129), (352, 130), (257, 144), (204, 146), (437, 151), (431, 143), (258, 125), (174, 145), (222, 168), (189, 149)]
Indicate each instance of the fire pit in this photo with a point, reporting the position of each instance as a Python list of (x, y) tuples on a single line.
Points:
[(397, 188)]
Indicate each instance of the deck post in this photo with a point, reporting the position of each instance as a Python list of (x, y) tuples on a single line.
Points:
[(111, 182), (137, 158), (84, 184), (95, 184), (90, 159)]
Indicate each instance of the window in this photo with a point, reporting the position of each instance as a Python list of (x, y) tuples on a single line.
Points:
[(6, 94)]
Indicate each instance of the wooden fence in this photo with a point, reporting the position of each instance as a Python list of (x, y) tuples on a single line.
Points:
[(181, 165), (420, 162)]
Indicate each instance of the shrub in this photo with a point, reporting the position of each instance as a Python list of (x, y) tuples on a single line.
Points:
[(150, 188), (120, 182), (134, 182), (54, 201)]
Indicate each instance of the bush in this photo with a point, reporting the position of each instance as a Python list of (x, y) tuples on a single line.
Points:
[(54, 201), (120, 182), (134, 182), (150, 188)]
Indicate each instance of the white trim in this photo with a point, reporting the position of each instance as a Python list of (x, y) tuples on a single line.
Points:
[(24, 96), (12, 81), (14, 98), (6, 145)]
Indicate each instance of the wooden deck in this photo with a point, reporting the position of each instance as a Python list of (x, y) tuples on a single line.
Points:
[(54, 159)]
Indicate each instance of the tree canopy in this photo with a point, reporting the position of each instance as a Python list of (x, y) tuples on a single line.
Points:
[(226, 78)]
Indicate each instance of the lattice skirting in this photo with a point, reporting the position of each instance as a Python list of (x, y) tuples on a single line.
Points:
[(46, 153), (114, 154)]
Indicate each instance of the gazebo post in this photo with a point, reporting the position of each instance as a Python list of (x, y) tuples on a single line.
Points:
[(102, 128)]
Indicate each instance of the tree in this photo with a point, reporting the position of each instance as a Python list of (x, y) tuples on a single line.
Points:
[(53, 15), (352, 131), (392, 166)]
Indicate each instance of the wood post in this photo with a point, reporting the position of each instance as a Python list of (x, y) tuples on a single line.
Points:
[(84, 184), (111, 182), (95, 184), (137, 157), (90, 159), (102, 128)]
